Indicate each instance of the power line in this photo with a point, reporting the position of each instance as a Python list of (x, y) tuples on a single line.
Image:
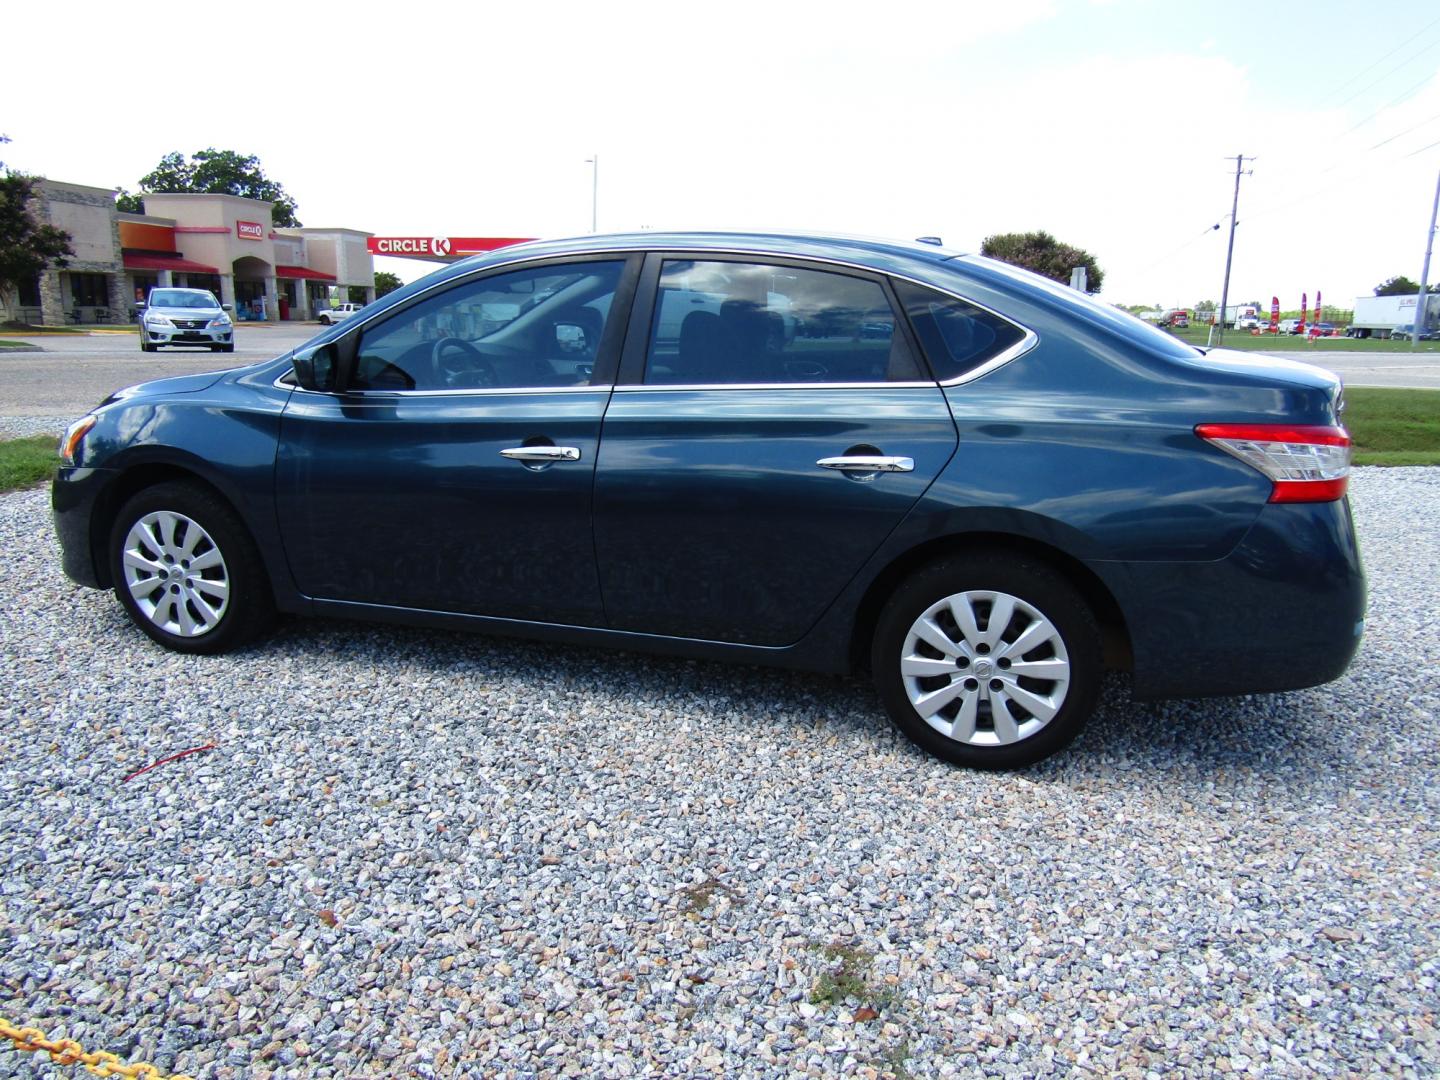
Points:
[(1407, 131), (1393, 101), (1382, 59), (1408, 60)]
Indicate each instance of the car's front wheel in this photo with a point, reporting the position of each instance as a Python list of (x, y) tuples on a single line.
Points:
[(186, 570), (987, 661)]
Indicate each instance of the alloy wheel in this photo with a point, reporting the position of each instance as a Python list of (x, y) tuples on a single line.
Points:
[(176, 574), (985, 668)]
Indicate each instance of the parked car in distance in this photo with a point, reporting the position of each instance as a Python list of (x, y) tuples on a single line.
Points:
[(330, 316), (185, 317), (1406, 330), (981, 486), (1323, 329), (1288, 326)]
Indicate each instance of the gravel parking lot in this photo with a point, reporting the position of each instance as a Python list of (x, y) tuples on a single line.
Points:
[(424, 854)]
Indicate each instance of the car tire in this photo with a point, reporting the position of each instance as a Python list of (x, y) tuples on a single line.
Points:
[(228, 348), (187, 571), (146, 346), (982, 712)]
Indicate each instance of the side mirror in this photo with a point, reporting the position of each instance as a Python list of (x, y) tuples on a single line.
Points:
[(227, 307), (570, 338), (315, 367)]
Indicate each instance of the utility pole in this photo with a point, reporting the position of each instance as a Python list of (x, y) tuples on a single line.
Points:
[(1419, 323), (1219, 327), (594, 163)]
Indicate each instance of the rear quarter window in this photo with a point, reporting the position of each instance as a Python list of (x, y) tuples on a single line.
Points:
[(957, 336)]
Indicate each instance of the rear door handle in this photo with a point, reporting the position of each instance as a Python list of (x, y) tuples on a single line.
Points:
[(867, 463), (542, 453)]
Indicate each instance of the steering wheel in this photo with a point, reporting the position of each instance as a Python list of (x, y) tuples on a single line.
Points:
[(464, 366)]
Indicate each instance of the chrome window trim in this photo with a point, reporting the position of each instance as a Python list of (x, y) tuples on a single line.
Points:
[(491, 391), (1000, 359), (634, 388), (354, 324)]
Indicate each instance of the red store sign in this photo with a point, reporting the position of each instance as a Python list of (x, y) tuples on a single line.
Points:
[(438, 246), (249, 230)]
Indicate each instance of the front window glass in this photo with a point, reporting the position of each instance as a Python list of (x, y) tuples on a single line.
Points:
[(731, 322), (537, 327), (182, 298)]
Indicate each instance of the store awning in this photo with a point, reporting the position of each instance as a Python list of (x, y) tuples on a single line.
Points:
[(302, 272), (160, 262)]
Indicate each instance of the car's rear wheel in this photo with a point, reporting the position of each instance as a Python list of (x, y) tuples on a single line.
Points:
[(187, 571), (987, 661)]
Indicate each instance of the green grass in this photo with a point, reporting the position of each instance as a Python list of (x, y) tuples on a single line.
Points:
[(21, 328), (1243, 340), (1393, 426), (12, 344), (26, 462)]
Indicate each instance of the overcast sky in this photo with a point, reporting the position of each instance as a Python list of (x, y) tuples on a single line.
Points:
[(1107, 123)]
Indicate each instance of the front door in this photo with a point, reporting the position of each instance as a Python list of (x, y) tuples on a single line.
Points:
[(456, 471)]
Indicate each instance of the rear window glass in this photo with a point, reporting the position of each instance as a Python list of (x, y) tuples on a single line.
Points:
[(957, 336), (1113, 318)]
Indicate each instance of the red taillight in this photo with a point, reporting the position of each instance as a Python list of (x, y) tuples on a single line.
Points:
[(1305, 463)]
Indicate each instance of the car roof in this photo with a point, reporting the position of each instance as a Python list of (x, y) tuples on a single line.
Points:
[(881, 254)]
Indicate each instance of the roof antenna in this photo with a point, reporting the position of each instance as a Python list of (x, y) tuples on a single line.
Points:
[(929, 240)]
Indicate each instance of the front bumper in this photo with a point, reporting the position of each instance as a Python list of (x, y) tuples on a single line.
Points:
[(1283, 611), (188, 335), (74, 494)]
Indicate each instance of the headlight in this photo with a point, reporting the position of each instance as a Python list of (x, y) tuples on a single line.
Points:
[(154, 318), (218, 324), (69, 448)]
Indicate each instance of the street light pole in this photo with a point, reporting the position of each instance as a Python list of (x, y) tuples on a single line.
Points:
[(1420, 320), (594, 163)]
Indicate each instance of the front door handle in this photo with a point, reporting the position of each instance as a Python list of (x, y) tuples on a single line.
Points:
[(867, 463), (542, 453)]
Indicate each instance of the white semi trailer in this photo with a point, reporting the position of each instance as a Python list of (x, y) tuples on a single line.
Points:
[(1379, 316)]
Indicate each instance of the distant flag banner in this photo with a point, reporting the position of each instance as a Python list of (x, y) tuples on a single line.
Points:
[(1304, 304), (1274, 314), (1317, 307)]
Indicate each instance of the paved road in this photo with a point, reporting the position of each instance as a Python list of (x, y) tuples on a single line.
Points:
[(1416, 370), (77, 370)]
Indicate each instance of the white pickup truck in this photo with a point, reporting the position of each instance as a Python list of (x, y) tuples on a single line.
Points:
[(330, 316)]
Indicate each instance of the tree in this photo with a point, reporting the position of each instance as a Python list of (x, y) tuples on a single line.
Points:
[(216, 172), (1205, 305), (27, 248), (1397, 286), (1042, 253), (386, 282)]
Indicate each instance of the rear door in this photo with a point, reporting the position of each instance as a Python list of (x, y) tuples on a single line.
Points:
[(773, 423)]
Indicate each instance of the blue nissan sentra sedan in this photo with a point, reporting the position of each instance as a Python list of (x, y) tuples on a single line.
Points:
[(815, 452)]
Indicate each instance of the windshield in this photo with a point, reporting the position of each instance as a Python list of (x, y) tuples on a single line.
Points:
[(183, 298)]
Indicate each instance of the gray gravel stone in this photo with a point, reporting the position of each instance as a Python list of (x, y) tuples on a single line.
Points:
[(17, 427), (423, 854)]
